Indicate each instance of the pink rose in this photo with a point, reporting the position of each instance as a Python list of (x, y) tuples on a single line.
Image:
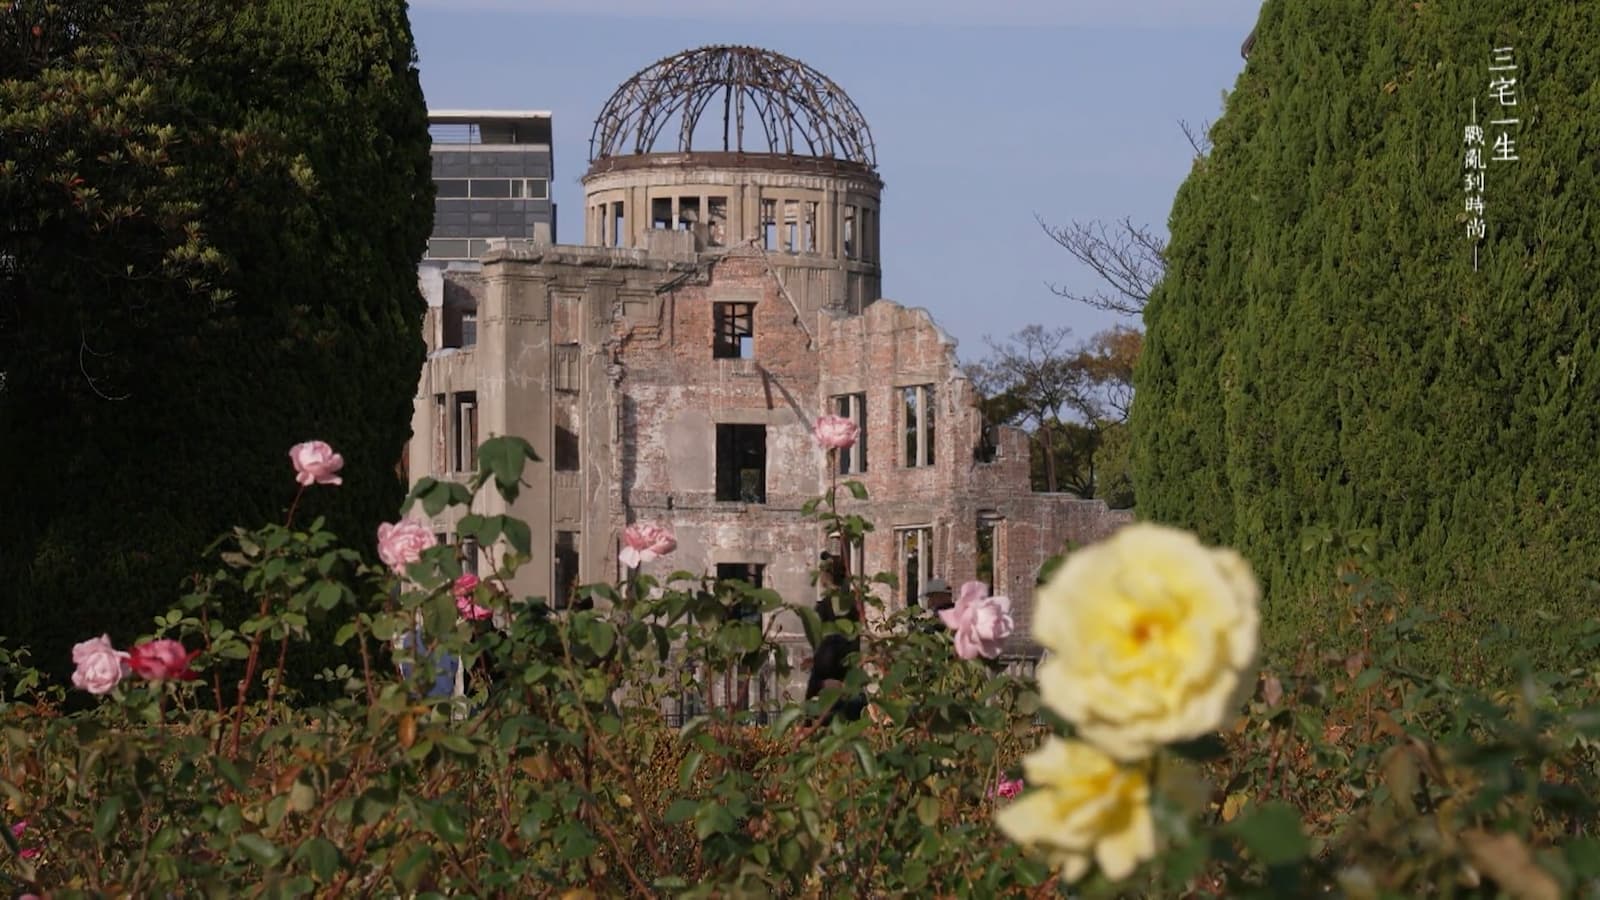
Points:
[(1006, 788), (16, 832), (835, 432), (981, 623), (464, 590), (100, 666), (400, 544), (645, 542), (316, 463), (163, 660)]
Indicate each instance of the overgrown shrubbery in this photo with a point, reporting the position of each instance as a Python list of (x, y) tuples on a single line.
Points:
[(556, 772)]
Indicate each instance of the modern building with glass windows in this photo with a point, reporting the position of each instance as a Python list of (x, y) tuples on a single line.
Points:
[(491, 169)]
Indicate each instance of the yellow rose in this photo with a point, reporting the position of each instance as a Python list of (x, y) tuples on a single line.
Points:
[(1152, 639), (1082, 805)]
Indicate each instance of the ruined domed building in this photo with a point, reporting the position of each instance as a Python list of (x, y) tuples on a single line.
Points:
[(670, 367)]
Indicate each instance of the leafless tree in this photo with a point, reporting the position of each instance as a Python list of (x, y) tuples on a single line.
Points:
[(1128, 258), (1036, 370)]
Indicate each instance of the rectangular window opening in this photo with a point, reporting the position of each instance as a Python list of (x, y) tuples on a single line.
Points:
[(769, 224), (853, 459), (661, 212), (464, 435), (564, 580), (618, 231), (717, 221), (850, 245), (688, 213), (741, 463), (734, 331), (914, 549), (791, 226), (989, 526), (565, 453), (809, 227), (917, 402)]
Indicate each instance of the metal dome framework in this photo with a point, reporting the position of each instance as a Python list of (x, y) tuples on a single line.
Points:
[(800, 111)]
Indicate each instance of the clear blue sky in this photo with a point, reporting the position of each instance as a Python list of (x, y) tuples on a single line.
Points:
[(983, 113)]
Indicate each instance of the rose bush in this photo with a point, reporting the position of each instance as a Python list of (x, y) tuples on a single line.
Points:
[(558, 772)]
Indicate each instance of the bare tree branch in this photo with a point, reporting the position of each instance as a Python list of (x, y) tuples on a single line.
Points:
[(1127, 257), (1199, 138)]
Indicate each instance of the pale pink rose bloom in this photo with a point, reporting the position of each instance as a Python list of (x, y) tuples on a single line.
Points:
[(100, 666), (981, 623), (401, 543), (644, 542), (835, 432), (463, 590), (163, 660), (316, 463)]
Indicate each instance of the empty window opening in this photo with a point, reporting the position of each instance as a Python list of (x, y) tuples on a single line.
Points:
[(564, 457), (914, 547), (564, 578), (850, 245), (990, 525), (735, 336), (688, 213), (661, 212), (809, 228), (918, 402), (469, 556), (617, 223), (791, 226), (464, 436), (769, 224), (749, 573), (742, 463), (853, 459), (717, 221)]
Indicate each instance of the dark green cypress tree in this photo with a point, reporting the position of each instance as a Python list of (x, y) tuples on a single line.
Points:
[(241, 277), (1322, 357)]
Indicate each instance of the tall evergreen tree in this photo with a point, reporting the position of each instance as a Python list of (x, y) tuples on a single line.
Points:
[(1323, 358), (210, 216)]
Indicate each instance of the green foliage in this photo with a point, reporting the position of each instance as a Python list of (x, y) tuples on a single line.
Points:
[(210, 216), (1322, 356), (1350, 773)]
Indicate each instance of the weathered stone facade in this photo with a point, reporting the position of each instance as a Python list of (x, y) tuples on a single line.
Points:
[(672, 374)]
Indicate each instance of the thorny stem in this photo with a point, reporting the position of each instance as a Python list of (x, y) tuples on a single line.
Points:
[(249, 676), (293, 505), (277, 678)]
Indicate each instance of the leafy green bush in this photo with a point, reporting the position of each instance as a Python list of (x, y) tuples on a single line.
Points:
[(1331, 351)]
